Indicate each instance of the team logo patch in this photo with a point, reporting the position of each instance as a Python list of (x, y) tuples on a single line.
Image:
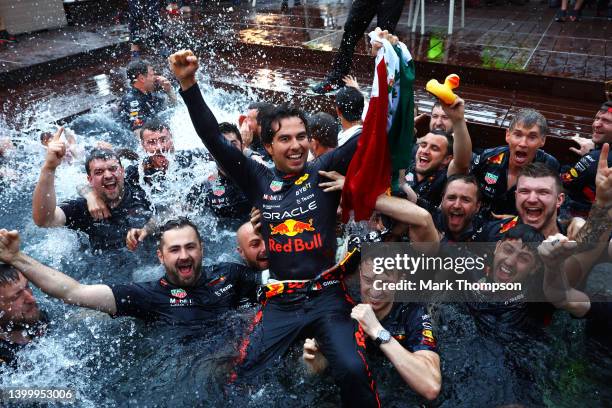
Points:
[(566, 177), (573, 172), (276, 185), (509, 225), (428, 338), (219, 190), (491, 178), (497, 159), (178, 293), (302, 179)]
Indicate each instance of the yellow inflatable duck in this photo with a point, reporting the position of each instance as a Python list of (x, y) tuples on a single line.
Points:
[(444, 92)]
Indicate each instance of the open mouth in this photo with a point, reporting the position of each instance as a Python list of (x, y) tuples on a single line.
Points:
[(185, 270), (533, 213), (520, 157), (110, 186), (295, 158), (455, 217), (423, 161), (504, 273)]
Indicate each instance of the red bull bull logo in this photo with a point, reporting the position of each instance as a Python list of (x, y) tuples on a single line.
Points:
[(291, 227)]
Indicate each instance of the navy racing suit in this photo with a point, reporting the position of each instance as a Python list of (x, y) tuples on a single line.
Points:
[(298, 225)]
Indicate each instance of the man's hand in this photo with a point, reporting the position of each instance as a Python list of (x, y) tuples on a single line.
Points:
[(56, 150), (555, 249), (455, 111), (164, 83), (586, 145), (134, 237), (256, 220), (246, 134), (351, 81), (5, 145), (377, 45), (100, 144), (9, 245), (336, 184), (314, 359), (365, 316), (184, 65), (96, 206)]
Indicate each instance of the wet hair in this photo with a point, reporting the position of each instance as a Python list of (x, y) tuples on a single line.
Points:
[(324, 128), (530, 118), (272, 122), (45, 136), (177, 223), (153, 125), (263, 109), (100, 154), (540, 170), (226, 127), (349, 102), (135, 68), (8, 274), (606, 106), (531, 237), (449, 139), (467, 179), (436, 104)]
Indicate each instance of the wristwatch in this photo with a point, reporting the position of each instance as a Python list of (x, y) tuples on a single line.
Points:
[(383, 337)]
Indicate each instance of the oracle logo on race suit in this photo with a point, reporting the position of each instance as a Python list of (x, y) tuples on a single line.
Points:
[(293, 213)]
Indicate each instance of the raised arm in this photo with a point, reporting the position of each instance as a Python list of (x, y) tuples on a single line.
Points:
[(185, 65), (45, 211), (52, 282), (462, 143), (422, 228)]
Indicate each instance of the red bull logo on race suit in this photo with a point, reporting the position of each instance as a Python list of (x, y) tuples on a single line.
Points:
[(291, 228)]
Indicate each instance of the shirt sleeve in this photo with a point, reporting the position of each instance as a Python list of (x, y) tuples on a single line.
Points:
[(420, 332), (77, 216), (245, 172), (131, 300), (578, 176), (340, 158)]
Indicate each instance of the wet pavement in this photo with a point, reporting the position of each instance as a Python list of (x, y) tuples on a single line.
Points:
[(509, 57)]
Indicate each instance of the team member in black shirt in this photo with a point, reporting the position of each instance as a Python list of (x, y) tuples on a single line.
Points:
[(184, 296), (403, 332), (579, 180), (497, 169), (440, 155), (142, 102), (457, 218), (128, 205)]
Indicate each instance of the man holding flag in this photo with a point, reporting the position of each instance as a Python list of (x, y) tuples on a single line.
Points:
[(379, 159)]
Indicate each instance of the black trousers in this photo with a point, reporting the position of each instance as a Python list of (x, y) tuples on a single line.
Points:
[(360, 16), (325, 316)]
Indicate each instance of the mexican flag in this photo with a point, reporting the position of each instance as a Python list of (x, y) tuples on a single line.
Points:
[(385, 145)]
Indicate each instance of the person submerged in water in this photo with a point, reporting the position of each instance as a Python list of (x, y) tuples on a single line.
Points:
[(21, 320)]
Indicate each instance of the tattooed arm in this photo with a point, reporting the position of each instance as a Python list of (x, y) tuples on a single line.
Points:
[(592, 238)]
